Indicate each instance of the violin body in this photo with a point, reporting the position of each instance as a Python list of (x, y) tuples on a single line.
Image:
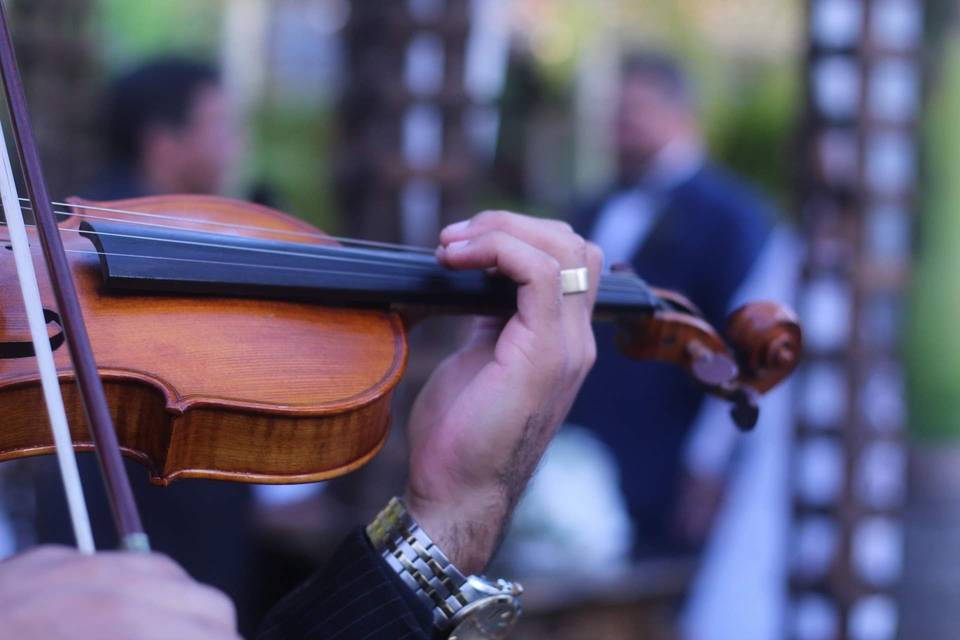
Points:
[(227, 388)]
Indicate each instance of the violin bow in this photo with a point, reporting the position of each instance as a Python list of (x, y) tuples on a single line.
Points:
[(94, 400), (30, 290)]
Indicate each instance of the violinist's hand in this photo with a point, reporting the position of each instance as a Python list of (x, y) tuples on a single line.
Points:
[(55, 593), (480, 425)]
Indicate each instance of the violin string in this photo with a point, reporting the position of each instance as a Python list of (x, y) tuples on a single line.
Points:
[(387, 261), (390, 258), (353, 274), (628, 282), (230, 225), (226, 263), (612, 283), (259, 266)]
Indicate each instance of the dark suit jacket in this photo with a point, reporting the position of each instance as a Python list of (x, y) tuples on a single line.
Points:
[(708, 235), (357, 597)]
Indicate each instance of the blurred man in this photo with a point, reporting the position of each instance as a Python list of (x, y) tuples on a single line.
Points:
[(170, 130), (682, 224)]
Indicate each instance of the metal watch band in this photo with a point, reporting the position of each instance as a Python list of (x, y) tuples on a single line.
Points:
[(418, 561)]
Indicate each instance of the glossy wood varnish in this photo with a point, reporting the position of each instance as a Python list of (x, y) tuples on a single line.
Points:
[(224, 388)]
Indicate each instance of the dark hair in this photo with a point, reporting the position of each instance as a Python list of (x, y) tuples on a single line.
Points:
[(160, 92), (665, 72)]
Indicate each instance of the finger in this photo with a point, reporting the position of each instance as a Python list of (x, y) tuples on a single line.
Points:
[(588, 354), (26, 572), (152, 564), (165, 626), (571, 252), (536, 273), (117, 614), (487, 220), (580, 328), (165, 630), (43, 555), (569, 249), (113, 561), (177, 599), (51, 569), (595, 265), (204, 603), (550, 236)]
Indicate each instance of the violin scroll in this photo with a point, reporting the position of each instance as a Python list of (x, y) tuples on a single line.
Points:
[(765, 342), (767, 339)]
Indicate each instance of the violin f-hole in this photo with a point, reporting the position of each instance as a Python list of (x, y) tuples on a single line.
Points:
[(13, 350)]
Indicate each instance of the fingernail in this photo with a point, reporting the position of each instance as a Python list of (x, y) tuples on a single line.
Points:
[(456, 246), (457, 227)]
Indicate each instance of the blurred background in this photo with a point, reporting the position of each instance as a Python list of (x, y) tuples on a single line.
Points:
[(801, 150)]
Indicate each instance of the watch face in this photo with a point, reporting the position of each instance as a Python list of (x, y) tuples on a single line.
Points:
[(486, 619)]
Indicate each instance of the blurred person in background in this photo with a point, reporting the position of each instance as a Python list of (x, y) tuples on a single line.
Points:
[(682, 223), (170, 129)]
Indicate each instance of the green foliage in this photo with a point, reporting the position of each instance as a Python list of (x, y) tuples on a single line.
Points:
[(750, 99), (289, 145), (933, 345), (751, 131), (292, 154), (135, 30)]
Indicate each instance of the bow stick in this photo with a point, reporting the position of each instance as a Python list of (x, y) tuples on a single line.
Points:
[(94, 401), (30, 290)]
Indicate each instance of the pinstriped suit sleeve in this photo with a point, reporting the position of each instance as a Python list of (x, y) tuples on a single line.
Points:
[(356, 597)]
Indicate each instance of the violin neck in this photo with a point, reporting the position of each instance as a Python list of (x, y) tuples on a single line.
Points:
[(162, 260)]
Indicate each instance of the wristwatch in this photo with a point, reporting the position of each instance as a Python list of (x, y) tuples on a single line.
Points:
[(464, 607)]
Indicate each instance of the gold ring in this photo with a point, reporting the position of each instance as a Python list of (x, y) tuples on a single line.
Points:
[(575, 280)]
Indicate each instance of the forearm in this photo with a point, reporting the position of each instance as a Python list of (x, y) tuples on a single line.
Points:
[(469, 523), (469, 532)]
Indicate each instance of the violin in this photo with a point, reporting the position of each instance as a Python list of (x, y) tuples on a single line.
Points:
[(239, 343), (212, 338)]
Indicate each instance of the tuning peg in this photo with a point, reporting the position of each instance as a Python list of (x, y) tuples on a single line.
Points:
[(745, 410), (711, 368)]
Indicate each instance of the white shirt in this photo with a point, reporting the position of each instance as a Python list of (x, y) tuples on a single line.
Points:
[(624, 224), (627, 218), (740, 589)]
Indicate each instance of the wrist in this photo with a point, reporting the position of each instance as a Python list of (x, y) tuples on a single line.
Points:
[(468, 529), (463, 606)]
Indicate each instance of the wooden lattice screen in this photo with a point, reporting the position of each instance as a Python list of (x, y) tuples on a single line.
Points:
[(406, 162), (57, 55), (858, 195)]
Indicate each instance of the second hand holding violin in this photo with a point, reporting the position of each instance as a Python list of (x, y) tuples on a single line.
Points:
[(481, 423)]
